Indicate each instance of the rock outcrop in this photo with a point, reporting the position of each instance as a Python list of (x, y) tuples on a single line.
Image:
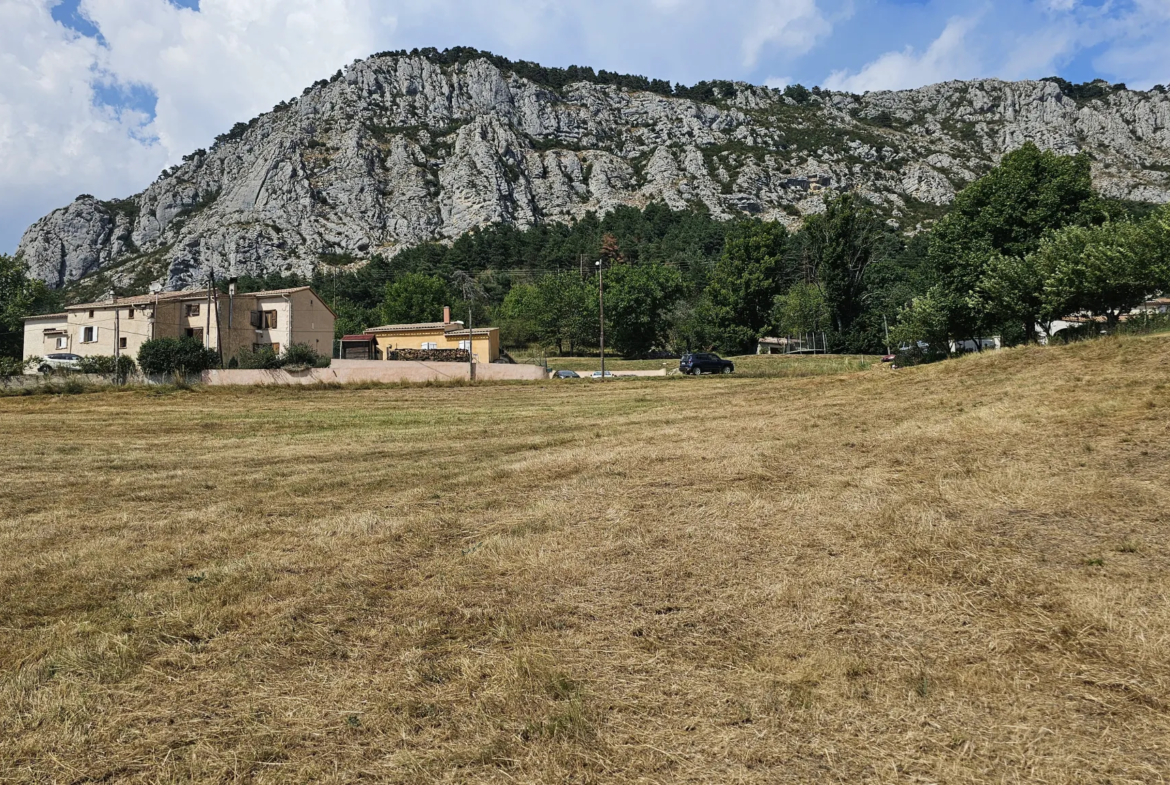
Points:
[(401, 149)]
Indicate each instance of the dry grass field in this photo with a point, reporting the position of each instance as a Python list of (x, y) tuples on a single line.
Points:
[(957, 573)]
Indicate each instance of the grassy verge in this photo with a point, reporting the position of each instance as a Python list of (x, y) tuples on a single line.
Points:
[(956, 573), (750, 365)]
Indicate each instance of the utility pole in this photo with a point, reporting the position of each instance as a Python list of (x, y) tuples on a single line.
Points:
[(601, 310), (207, 332), (886, 324), (468, 285), (218, 331)]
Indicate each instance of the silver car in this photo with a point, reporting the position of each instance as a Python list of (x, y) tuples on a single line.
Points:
[(59, 362)]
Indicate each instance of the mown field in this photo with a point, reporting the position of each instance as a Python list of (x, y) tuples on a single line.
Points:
[(957, 573)]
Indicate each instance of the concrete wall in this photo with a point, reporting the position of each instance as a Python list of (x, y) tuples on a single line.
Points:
[(359, 371)]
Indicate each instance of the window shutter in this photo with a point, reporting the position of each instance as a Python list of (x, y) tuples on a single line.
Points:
[(255, 317)]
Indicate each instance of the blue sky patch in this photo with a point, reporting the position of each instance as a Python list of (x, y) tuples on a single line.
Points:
[(122, 97), (68, 13)]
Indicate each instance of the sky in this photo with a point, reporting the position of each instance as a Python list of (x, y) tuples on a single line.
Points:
[(98, 96)]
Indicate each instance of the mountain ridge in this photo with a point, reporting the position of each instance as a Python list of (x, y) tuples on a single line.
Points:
[(406, 148)]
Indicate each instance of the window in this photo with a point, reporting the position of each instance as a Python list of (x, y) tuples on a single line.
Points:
[(263, 320), (430, 345), (89, 334), (195, 332), (62, 342), (121, 343), (129, 313), (465, 345), (91, 314), (192, 309), (275, 347)]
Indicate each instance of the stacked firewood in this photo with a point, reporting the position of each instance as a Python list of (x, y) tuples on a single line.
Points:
[(430, 355)]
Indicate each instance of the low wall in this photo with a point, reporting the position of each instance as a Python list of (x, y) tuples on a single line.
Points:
[(373, 371), (640, 374), (33, 381)]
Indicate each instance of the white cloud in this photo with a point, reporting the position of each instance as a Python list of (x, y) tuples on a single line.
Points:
[(778, 82), (948, 57), (57, 141), (228, 62), (233, 59), (794, 26)]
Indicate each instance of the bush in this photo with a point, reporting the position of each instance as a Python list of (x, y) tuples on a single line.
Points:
[(298, 355), (303, 354), (101, 364), (120, 367), (162, 356), (11, 366), (260, 359)]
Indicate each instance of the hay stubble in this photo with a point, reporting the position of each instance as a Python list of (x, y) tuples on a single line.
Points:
[(955, 573)]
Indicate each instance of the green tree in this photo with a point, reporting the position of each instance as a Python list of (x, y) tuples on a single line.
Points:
[(745, 282), (415, 298), (519, 316), (802, 309), (1007, 212), (638, 303), (1011, 291), (921, 332), (567, 317), (691, 326), (162, 356), (840, 244), (20, 296), (1104, 270)]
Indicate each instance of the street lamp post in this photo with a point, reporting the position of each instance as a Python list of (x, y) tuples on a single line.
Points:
[(601, 312)]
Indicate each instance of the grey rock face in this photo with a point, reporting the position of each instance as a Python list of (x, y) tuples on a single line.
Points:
[(401, 151)]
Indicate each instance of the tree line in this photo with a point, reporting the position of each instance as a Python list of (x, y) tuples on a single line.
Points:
[(1029, 243)]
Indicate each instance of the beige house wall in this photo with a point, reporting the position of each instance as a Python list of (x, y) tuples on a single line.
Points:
[(111, 327), (41, 333), (301, 318), (486, 348)]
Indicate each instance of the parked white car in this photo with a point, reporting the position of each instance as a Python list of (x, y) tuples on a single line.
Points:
[(59, 362), (608, 375)]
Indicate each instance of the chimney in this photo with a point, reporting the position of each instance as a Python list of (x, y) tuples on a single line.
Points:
[(446, 314)]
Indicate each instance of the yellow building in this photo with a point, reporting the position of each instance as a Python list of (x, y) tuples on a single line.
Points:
[(219, 321), (485, 342)]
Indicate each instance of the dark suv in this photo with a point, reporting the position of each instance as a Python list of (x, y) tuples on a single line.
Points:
[(704, 362)]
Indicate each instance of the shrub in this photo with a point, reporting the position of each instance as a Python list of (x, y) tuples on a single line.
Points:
[(260, 359), (102, 364), (161, 356), (303, 354), (11, 366), (299, 354)]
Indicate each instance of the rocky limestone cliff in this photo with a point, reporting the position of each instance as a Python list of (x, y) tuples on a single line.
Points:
[(401, 149)]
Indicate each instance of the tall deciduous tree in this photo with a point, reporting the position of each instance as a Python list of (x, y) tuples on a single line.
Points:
[(20, 296), (802, 309), (638, 302), (415, 298), (1007, 212), (1104, 270), (745, 282), (840, 244)]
